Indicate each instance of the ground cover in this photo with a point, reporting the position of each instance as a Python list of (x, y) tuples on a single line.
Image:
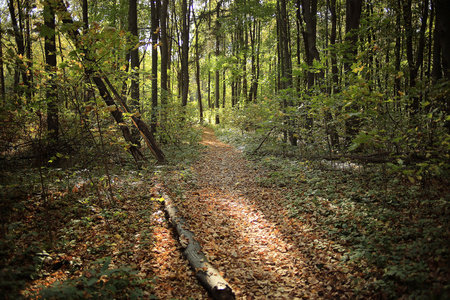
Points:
[(394, 231), (275, 227)]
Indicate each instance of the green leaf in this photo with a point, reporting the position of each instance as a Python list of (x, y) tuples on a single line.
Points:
[(92, 281), (106, 264)]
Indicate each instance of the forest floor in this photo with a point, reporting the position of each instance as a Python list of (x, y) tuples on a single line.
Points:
[(247, 233), (274, 228)]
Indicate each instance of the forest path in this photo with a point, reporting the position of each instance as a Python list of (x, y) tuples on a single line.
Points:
[(247, 234)]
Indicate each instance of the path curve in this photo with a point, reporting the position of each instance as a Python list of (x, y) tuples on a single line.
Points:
[(248, 236)]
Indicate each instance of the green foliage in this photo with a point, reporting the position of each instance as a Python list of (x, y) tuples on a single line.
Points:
[(388, 228), (18, 266), (100, 282)]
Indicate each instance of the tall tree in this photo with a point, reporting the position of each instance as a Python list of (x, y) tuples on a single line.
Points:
[(442, 37), (441, 52), (155, 5), (165, 53), (330, 126), (414, 66), (285, 59), (102, 83), (333, 54), (312, 54), (2, 74), (17, 27), (134, 53), (197, 70), (353, 17), (217, 83), (50, 63), (186, 12), (255, 36)]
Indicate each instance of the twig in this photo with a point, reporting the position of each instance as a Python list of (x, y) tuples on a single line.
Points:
[(265, 138)]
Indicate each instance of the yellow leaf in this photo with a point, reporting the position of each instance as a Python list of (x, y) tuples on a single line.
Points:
[(111, 108), (411, 179)]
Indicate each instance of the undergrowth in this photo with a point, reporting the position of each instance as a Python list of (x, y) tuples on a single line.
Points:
[(396, 230), (78, 242)]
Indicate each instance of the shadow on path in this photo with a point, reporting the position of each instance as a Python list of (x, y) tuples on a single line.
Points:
[(247, 233)]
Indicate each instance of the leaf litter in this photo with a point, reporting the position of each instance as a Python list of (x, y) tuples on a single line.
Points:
[(247, 234)]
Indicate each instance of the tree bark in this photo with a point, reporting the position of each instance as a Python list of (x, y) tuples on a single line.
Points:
[(197, 71), (286, 65), (332, 131), (443, 34), (442, 53), (211, 279), (134, 62), (155, 25), (310, 16), (186, 9), (254, 44), (134, 54), (20, 44), (164, 48), (353, 15), (50, 66), (2, 74), (217, 83)]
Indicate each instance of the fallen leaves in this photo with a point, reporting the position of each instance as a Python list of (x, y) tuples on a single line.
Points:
[(248, 235)]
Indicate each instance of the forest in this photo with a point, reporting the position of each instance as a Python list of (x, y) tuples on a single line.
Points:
[(303, 145)]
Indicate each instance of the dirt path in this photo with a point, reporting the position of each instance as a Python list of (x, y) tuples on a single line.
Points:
[(247, 234)]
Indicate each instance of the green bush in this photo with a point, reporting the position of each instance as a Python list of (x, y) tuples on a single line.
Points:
[(97, 283)]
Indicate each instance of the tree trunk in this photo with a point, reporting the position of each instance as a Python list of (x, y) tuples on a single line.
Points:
[(134, 62), (254, 43), (217, 83), (18, 36), (442, 53), (155, 25), (334, 137), (312, 54), (50, 66), (211, 279), (334, 67), (28, 48), (443, 34), (398, 47), (197, 71), (2, 74), (85, 13), (286, 65), (414, 66), (117, 114), (353, 15), (164, 54), (134, 55), (186, 8), (310, 16)]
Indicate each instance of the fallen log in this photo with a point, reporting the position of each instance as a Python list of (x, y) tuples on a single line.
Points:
[(211, 279)]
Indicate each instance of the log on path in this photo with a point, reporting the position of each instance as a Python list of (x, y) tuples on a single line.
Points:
[(204, 271)]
